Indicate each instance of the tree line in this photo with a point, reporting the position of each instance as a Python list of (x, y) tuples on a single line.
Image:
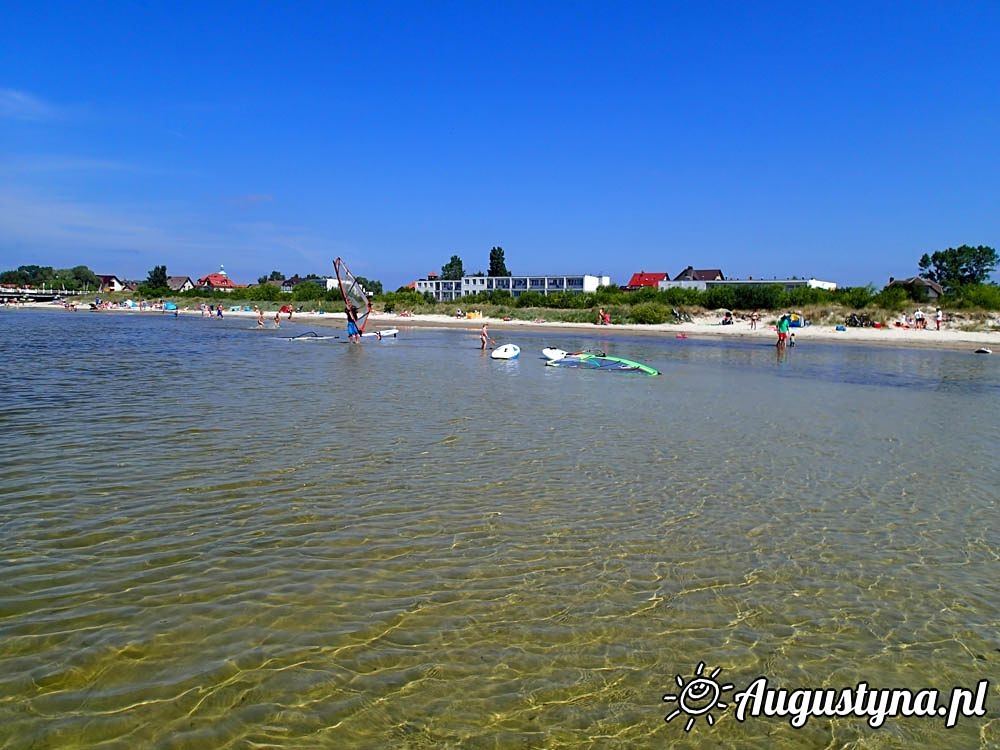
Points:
[(962, 272)]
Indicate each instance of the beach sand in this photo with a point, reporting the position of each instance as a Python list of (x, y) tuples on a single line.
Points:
[(702, 326)]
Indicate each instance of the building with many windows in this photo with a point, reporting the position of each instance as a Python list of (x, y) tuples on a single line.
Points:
[(787, 284), (446, 290)]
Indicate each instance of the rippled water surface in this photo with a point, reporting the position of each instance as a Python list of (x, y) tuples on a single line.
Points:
[(217, 537)]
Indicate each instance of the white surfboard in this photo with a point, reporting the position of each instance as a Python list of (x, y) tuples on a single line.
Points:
[(391, 332), (506, 351)]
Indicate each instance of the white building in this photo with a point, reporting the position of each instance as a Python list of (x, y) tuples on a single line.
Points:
[(787, 284), (446, 290)]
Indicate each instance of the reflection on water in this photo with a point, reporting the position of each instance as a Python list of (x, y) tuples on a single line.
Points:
[(217, 537)]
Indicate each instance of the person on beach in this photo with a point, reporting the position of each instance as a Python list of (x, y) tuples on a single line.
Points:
[(918, 319), (277, 319), (287, 309), (353, 332), (938, 318), (484, 336), (218, 310), (260, 316), (600, 317), (783, 324), (754, 317)]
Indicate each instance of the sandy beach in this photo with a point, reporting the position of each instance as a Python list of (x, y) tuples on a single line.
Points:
[(701, 326), (708, 326)]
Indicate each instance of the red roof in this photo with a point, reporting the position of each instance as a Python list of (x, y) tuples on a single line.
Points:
[(646, 279), (217, 281)]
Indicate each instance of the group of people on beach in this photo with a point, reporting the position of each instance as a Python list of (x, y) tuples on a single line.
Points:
[(919, 320)]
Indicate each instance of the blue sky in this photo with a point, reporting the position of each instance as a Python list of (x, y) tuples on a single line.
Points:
[(834, 140)]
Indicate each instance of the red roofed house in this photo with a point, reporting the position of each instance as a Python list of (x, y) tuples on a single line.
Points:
[(642, 279), (218, 281)]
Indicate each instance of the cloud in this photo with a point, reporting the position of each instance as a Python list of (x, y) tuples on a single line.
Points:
[(130, 239), (19, 105)]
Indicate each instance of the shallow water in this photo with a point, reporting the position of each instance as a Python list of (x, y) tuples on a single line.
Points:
[(214, 536)]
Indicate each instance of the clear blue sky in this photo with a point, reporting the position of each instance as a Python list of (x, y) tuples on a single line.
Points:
[(836, 140)]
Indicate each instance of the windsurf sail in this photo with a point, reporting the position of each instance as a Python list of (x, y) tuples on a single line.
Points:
[(354, 294), (594, 362)]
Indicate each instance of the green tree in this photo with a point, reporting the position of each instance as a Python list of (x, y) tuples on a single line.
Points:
[(274, 276), (29, 276), (959, 266), (498, 267), (370, 285), (157, 278), (453, 269), (86, 279)]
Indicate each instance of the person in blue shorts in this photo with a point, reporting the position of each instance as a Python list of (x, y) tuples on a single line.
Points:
[(353, 333)]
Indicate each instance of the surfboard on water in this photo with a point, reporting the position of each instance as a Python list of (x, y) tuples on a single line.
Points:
[(506, 351), (551, 352), (379, 335), (309, 336)]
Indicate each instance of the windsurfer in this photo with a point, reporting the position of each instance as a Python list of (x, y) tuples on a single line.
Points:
[(353, 334)]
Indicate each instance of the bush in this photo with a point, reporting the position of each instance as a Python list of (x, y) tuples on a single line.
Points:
[(644, 294), (755, 297), (720, 296), (982, 296), (650, 313), (531, 299), (804, 296), (609, 295), (499, 297), (566, 300), (403, 299), (262, 293), (307, 290), (682, 297), (857, 297), (893, 298)]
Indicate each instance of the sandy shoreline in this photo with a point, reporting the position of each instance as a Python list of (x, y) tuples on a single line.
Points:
[(705, 326)]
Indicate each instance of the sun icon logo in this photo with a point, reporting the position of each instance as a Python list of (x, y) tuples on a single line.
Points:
[(698, 697)]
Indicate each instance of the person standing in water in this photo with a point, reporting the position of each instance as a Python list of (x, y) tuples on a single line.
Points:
[(783, 325), (353, 332), (484, 336)]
